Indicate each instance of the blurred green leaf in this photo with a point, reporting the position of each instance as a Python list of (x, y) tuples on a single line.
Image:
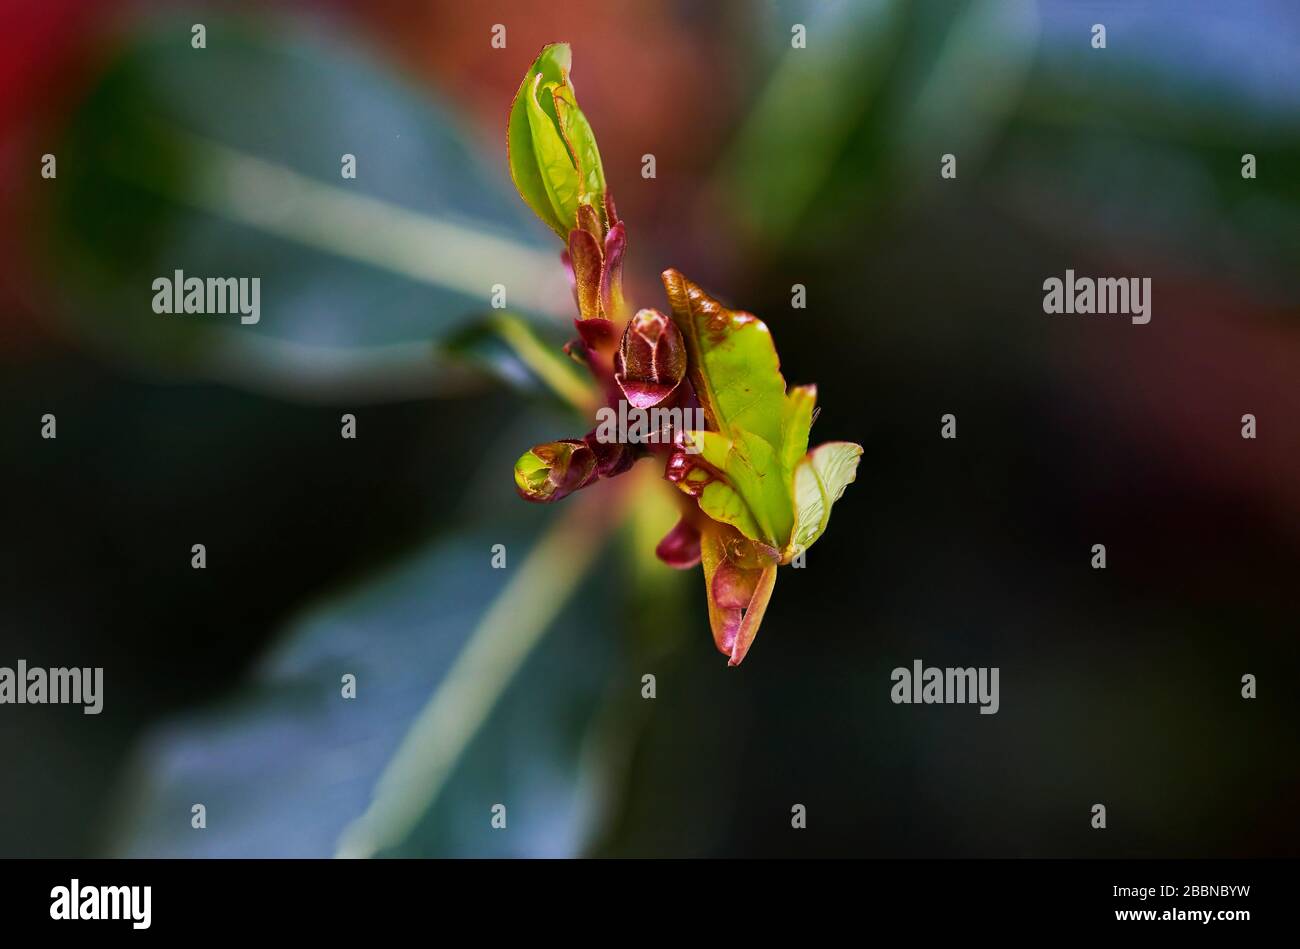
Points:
[(883, 97), (190, 162), (460, 704)]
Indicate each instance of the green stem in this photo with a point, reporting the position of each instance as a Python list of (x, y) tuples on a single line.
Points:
[(493, 654), (435, 250), (548, 367)]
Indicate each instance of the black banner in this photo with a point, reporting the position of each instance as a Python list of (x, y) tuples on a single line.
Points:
[(330, 898)]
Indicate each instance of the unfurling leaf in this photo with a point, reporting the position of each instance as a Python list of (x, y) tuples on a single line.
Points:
[(553, 155), (738, 482), (800, 408), (819, 481)]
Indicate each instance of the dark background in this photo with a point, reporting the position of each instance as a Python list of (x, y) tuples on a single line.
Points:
[(775, 166)]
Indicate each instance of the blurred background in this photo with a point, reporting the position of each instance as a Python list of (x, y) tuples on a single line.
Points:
[(774, 166)]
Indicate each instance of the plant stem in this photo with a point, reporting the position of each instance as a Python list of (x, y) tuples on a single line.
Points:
[(496, 650)]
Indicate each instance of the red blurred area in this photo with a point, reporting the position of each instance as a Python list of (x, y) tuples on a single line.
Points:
[(49, 52), (1183, 393)]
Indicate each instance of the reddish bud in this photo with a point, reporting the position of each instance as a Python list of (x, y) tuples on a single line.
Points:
[(651, 361), (555, 470), (688, 472), (680, 547)]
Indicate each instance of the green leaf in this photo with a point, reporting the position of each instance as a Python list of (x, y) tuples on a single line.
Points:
[(796, 424), (473, 685), (819, 481), (754, 473), (552, 65), (736, 497), (582, 146), (720, 501), (552, 150), (756, 467), (718, 498), (186, 163), (733, 363)]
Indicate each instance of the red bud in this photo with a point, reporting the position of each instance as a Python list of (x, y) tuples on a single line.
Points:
[(651, 361)]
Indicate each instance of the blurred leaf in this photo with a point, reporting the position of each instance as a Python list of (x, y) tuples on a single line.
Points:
[(286, 767), (228, 163), (772, 175), (886, 93)]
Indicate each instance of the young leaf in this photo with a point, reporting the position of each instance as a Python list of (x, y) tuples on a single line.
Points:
[(581, 142), (703, 476), (720, 501), (552, 151), (753, 474), (554, 163), (732, 362), (756, 467), (738, 582), (819, 481), (551, 65), (799, 405)]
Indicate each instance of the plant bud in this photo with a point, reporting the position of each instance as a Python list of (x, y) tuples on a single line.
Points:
[(689, 473), (680, 547), (651, 361), (553, 156), (553, 471)]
